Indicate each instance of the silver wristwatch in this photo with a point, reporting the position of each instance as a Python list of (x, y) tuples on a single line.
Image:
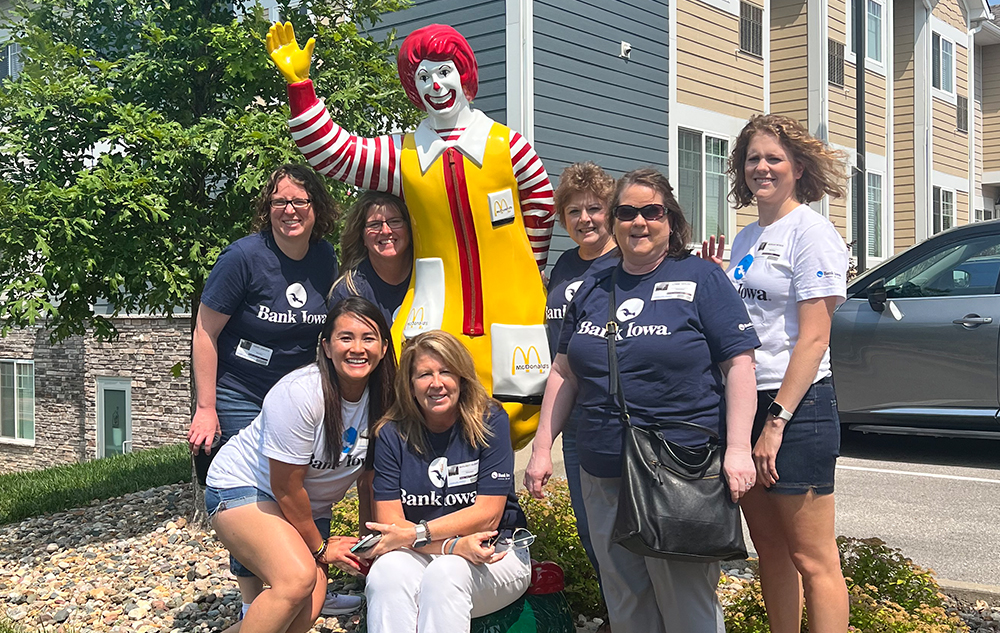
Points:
[(423, 535)]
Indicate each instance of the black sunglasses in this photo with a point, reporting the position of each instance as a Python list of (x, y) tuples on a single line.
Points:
[(651, 212)]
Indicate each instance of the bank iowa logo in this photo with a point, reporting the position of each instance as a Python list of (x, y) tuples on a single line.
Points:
[(629, 309), (296, 295), (417, 319), (522, 361)]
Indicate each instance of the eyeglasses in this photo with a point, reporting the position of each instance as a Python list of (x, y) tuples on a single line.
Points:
[(376, 225), (651, 212), (521, 539), (299, 204)]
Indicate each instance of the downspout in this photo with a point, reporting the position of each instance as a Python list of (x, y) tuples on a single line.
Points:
[(923, 139), (817, 63), (860, 178)]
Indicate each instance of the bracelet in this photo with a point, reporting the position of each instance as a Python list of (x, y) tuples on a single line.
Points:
[(445, 544), (451, 550), (318, 554)]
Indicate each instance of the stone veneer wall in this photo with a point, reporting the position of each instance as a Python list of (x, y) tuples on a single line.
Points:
[(66, 388)]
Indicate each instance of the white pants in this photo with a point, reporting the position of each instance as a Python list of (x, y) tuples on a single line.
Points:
[(644, 594), (409, 592)]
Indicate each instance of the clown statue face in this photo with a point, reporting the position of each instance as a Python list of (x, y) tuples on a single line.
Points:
[(439, 85), (440, 75)]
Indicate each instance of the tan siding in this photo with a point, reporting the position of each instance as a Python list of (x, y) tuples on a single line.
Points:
[(745, 216), (991, 108), (711, 73), (961, 208), (837, 20), (951, 147), (904, 196), (789, 90), (838, 215), (951, 12)]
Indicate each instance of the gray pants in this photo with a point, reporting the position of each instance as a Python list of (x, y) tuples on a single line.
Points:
[(648, 595)]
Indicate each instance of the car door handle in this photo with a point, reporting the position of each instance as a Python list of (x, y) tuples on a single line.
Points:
[(972, 320)]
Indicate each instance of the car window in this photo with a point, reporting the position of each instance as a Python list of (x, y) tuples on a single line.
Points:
[(966, 268)]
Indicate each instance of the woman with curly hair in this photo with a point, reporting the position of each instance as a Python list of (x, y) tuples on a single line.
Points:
[(790, 268), (261, 310)]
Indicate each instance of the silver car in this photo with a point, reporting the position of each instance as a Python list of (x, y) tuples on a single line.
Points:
[(914, 348)]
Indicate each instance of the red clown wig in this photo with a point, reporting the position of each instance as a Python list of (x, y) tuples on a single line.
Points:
[(437, 42)]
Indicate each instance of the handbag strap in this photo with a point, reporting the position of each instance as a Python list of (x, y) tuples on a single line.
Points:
[(611, 333)]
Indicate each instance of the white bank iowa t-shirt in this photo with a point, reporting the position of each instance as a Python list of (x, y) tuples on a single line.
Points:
[(799, 257), (290, 429)]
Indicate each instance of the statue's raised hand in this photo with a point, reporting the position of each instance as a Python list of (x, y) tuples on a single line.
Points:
[(292, 61)]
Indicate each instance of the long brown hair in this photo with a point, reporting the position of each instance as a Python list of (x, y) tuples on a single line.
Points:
[(473, 401), (380, 381), (352, 236), (822, 166), (680, 230), (324, 208)]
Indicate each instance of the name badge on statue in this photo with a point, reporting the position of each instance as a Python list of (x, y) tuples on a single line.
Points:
[(501, 207)]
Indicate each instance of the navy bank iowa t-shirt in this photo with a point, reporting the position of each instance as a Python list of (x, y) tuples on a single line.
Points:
[(276, 307), (677, 323), (450, 475), (566, 278), (370, 286)]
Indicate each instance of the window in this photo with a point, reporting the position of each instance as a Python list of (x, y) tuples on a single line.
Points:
[(988, 213), (10, 61), (17, 400), (702, 183), (873, 30), (751, 29), (942, 63), (967, 268), (962, 114), (874, 224), (944, 209), (836, 62)]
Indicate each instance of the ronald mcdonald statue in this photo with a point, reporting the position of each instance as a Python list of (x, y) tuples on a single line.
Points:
[(480, 207)]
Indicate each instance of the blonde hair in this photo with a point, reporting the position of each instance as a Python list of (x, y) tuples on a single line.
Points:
[(822, 166), (585, 177), (473, 401)]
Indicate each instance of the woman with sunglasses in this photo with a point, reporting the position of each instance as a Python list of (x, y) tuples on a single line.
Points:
[(262, 308), (376, 252), (271, 488), (444, 498), (685, 353), (790, 267)]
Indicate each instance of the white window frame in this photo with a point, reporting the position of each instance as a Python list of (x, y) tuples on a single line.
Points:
[(118, 383), (941, 191), (947, 94), (12, 64), (883, 214), (18, 436), (698, 222), (874, 65)]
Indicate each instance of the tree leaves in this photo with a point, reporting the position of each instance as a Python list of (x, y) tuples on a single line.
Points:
[(137, 136)]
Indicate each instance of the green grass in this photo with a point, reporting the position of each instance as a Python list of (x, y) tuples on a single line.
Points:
[(29, 494)]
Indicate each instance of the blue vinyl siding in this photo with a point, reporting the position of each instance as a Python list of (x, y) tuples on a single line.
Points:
[(589, 103), (483, 23)]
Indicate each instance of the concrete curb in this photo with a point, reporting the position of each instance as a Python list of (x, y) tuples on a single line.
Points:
[(970, 591)]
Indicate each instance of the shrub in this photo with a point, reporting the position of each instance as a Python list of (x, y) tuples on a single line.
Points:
[(552, 521), (896, 578), (28, 494)]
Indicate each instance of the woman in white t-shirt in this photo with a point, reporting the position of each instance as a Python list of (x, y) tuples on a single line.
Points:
[(271, 488), (790, 268)]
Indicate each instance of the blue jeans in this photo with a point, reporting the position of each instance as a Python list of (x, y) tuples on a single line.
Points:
[(235, 411), (220, 499), (571, 459)]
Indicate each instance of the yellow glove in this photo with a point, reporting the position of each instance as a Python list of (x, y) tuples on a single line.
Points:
[(292, 61)]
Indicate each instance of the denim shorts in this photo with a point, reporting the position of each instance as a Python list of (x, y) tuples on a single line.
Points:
[(219, 499), (235, 411), (810, 445)]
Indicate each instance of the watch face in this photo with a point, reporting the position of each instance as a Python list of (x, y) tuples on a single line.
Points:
[(775, 409)]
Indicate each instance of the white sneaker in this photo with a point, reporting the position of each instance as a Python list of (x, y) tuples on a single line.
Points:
[(341, 604)]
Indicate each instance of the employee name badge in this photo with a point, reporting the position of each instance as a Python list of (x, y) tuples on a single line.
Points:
[(683, 290), (463, 474), (254, 353), (501, 207)]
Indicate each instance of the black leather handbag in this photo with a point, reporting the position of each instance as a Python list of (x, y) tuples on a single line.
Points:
[(673, 502)]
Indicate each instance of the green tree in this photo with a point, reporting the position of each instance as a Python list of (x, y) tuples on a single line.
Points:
[(138, 133)]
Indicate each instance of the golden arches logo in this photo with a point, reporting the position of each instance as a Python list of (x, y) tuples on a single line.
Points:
[(417, 317), (526, 365), (501, 207)]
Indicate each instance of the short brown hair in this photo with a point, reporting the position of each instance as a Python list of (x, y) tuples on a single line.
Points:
[(585, 177), (322, 202), (822, 166), (680, 230)]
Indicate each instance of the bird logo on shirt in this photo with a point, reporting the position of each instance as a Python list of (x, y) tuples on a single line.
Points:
[(571, 290), (436, 471), (350, 439), (629, 309), (296, 295), (741, 268)]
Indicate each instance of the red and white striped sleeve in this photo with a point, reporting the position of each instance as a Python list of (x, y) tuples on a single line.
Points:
[(368, 163), (535, 192)]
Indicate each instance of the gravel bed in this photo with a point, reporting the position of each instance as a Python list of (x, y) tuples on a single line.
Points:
[(134, 564)]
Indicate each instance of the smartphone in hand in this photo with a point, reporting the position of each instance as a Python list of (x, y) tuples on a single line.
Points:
[(366, 543)]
